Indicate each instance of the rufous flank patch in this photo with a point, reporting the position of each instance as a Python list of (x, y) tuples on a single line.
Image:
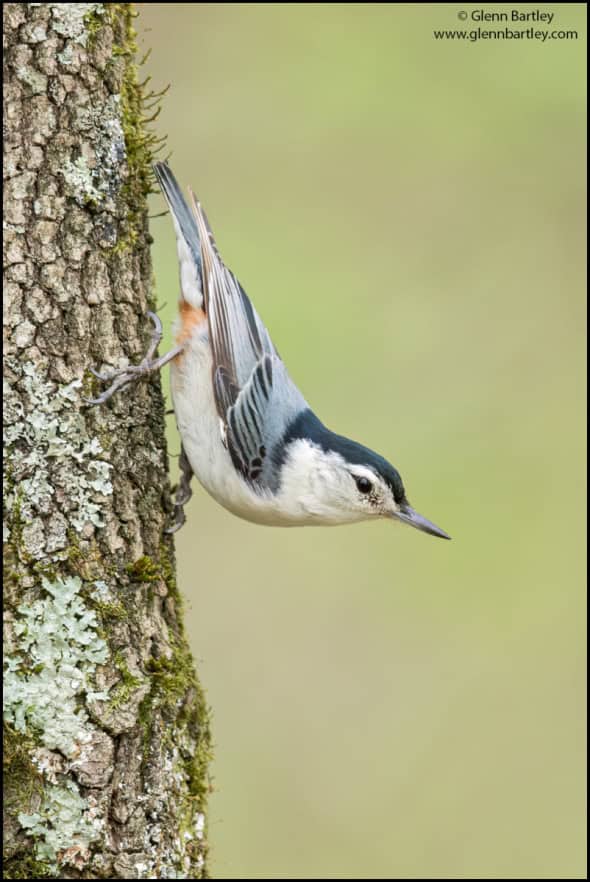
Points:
[(190, 319)]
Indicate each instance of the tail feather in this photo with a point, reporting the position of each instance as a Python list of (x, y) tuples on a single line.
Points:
[(187, 237)]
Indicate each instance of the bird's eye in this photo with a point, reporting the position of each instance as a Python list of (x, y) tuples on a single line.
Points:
[(364, 485)]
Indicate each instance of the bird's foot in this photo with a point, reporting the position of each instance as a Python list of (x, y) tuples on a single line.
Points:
[(183, 492), (123, 376)]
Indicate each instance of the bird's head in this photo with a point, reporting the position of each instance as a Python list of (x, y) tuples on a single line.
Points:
[(335, 480)]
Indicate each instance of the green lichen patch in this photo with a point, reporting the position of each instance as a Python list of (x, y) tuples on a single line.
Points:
[(124, 147), (94, 178), (47, 679), (45, 432), (37, 82), (57, 650), (60, 827)]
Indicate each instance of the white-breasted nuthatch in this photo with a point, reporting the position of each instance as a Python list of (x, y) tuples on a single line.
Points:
[(247, 432)]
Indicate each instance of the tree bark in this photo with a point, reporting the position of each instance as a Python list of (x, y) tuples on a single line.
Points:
[(106, 735)]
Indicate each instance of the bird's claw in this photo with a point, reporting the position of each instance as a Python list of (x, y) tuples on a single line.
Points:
[(119, 378), (179, 520), (99, 376), (123, 376), (183, 492)]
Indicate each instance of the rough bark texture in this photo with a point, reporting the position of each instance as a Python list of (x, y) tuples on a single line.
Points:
[(106, 738)]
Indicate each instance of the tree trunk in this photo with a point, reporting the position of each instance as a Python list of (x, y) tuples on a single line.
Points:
[(106, 736)]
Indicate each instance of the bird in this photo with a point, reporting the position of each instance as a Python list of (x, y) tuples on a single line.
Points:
[(247, 432)]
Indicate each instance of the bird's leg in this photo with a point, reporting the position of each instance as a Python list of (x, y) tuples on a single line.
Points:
[(123, 376), (183, 492)]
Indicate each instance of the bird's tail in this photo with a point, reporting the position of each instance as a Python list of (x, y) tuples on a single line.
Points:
[(187, 237)]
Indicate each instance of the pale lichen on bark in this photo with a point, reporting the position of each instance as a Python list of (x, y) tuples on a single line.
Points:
[(106, 736)]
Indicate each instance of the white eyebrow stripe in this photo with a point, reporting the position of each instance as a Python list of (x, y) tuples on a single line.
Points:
[(361, 471)]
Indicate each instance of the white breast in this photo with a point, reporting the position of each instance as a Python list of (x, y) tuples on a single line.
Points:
[(201, 433)]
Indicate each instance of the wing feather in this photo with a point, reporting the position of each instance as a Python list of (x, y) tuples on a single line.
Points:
[(254, 395)]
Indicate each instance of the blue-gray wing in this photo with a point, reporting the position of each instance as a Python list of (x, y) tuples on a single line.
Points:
[(258, 420), (255, 397)]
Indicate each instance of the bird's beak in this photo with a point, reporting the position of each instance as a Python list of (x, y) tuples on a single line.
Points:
[(407, 515)]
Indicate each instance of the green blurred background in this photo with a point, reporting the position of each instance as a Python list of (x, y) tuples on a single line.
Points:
[(408, 217)]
